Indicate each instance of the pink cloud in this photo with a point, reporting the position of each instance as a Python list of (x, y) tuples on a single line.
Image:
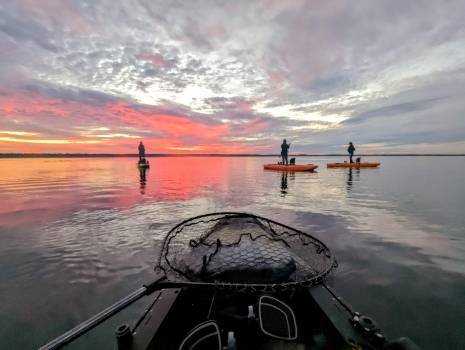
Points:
[(123, 124), (155, 59), (66, 13)]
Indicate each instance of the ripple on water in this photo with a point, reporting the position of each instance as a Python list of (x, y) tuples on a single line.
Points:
[(94, 246), (90, 224)]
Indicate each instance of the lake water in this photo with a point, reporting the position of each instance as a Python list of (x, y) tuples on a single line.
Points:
[(78, 234)]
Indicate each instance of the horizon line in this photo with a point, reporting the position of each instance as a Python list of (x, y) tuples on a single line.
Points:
[(121, 155)]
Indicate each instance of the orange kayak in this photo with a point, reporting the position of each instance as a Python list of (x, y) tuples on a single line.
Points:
[(353, 165), (280, 167)]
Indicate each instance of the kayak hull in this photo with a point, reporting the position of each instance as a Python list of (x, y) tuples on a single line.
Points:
[(353, 165), (319, 314), (281, 167)]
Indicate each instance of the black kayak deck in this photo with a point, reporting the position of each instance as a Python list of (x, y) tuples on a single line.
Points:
[(321, 319)]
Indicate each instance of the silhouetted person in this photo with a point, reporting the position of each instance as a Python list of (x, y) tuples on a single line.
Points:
[(141, 151), (351, 150), (284, 151)]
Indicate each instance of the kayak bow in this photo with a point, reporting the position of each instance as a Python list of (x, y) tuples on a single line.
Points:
[(281, 167), (353, 165)]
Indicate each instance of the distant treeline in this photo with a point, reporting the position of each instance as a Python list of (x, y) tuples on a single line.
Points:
[(109, 155)]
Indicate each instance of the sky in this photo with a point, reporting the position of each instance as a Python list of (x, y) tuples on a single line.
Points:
[(232, 76)]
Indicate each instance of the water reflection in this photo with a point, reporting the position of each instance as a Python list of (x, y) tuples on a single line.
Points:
[(284, 182), (350, 178), (83, 222), (48, 189), (142, 179)]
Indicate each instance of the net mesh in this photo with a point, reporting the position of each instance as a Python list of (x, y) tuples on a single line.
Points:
[(237, 250)]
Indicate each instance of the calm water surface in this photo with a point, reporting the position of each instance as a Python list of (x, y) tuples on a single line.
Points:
[(78, 234)]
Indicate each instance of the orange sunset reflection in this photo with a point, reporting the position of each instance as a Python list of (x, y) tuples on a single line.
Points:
[(53, 187)]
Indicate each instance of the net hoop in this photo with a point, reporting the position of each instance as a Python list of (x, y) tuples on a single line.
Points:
[(167, 266)]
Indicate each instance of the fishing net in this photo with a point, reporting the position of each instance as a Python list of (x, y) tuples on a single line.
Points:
[(243, 251)]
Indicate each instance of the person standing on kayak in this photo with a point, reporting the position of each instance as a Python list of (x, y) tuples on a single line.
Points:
[(351, 150), (284, 151), (141, 151)]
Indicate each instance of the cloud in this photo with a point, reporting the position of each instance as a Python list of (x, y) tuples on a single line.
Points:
[(26, 31), (395, 109), (237, 75), (43, 115)]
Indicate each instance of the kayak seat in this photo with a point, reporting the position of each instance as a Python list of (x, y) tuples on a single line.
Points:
[(276, 318), (205, 336)]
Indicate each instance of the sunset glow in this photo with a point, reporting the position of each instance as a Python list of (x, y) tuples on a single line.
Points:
[(83, 78)]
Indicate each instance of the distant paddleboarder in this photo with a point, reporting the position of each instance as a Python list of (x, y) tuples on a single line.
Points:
[(141, 151), (284, 151), (351, 150)]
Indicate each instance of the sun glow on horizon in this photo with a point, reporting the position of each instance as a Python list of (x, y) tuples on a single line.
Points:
[(51, 142), (18, 133)]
